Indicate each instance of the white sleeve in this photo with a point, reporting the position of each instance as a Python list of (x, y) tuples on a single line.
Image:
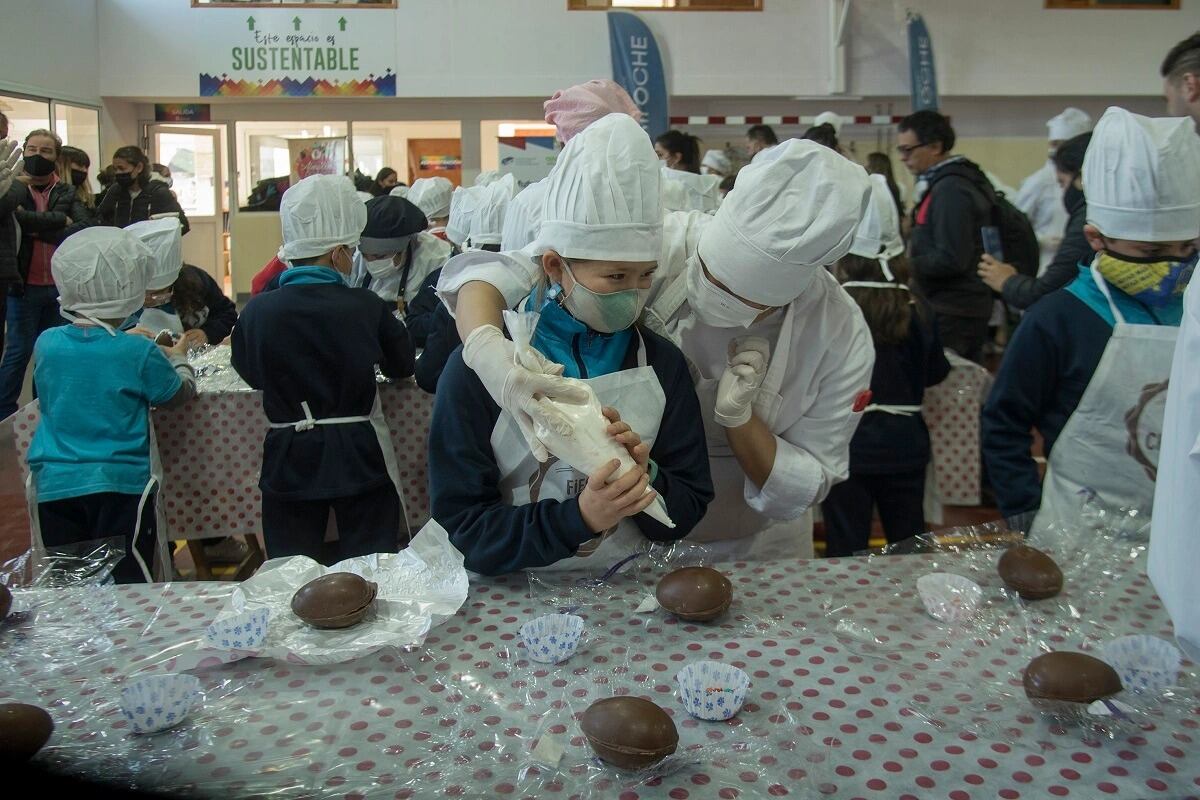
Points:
[(513, 275), (814, 452)]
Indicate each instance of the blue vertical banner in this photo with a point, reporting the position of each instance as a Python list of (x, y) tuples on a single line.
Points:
[(636, 65), (922, 75)]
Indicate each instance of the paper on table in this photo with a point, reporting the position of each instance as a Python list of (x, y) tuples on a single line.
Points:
[(419, 587)]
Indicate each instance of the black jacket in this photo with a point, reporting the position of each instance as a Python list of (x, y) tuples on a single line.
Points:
[(440, 343), (50, 225), (9, 271), (117, 208), (222, 313), (419, 314), (946, 244), (1022, 291)]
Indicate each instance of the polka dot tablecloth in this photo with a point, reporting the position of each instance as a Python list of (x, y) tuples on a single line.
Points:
[(211, 451), (468, 715), (951, 410)]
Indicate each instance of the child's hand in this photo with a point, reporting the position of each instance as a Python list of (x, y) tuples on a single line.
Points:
[(602, 505), (138, 330), (195, 338), (625, 435), (180, 348)]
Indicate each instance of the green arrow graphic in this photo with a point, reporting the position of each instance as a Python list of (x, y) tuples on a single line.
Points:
[(296, 23), (342, 24), (250, 23)]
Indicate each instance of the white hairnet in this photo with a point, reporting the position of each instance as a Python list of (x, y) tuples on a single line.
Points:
[(399, 191), (603, 195), (832, 117), (1141, 177), (717, 161), (878, 235), (318, 214), (524, 216), (487, 223), (687, 191), (793, 212), (101, 273), (1070, 123), (164, 237), (432, 196), (366, 197), (487, 177), (463, 205)]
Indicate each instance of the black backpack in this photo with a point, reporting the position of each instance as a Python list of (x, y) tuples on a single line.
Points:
[(1021, 248)]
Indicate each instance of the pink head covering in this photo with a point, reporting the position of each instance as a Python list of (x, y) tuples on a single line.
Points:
[(571, 110)]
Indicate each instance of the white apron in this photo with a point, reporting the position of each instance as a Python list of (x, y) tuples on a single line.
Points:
[(1109, 446), (382, 435), (637, 395)]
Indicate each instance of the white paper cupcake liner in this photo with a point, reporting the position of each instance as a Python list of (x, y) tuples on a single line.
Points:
[(712, 691), (158, 702), (552, 638), (246, 631), (949, 597), (1146, 664)]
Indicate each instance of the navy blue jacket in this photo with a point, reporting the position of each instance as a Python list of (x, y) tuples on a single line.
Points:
[(497, 538), (418, 315)]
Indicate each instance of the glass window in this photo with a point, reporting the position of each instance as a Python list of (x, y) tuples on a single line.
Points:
[(24, 115), (370, 151), (666, 5), (191, 158), (270, 155), (292, 3), (79, 126)]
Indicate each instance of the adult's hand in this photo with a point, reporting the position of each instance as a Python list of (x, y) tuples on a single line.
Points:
[(10, 157), (994, 273)]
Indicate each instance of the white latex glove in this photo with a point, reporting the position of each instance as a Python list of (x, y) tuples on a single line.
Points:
[(738, 387), (10, 157), (517, 389)]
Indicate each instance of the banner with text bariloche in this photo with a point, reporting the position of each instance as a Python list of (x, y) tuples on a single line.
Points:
[(637, 66), (297, 52)]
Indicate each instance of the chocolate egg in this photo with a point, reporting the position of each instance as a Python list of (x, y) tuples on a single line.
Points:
[(24, 729), (165, 339), (1030, 572), (1074, 677), (337, 600), (629, 732), (695, 593), (5, 601)]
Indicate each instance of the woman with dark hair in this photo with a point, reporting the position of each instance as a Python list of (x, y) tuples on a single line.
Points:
[(1022, 291), (881, 164), (890, 451), (133, 197), (384, 182), (679, 150)]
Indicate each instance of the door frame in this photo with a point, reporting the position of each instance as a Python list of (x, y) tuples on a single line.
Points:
[(218, 218)]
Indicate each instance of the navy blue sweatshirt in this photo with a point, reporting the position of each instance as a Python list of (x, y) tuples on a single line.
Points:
[(886, 443), (320, 343), (497, 538), (418, 315)]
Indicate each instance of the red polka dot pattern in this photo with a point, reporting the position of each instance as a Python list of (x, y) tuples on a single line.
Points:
[(951, 410)]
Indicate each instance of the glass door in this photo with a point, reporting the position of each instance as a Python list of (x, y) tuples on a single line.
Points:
[(193, 155)]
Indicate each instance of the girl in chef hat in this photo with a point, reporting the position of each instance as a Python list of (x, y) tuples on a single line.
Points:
[(508, 505), (890, 452)]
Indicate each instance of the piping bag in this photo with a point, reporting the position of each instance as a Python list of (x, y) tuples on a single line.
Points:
[(576, 433)]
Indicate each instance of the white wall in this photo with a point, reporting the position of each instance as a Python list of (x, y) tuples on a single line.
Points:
[(50, 49)]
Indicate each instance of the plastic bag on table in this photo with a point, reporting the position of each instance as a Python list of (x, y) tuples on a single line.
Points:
[(88, 563), (576, 433)]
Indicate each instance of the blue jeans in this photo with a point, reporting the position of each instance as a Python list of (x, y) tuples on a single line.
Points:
[(28, 317)]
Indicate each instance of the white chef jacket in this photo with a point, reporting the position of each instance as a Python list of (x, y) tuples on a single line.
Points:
[(830, 358), (524, 216), (1041, 198), (429, 254)]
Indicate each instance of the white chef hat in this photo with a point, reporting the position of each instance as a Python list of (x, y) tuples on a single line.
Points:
[(432, 196), (832, 117), (717, 161), (524, 216), (1070, 123), (101, 273), (399, 191), (164, 237), (793, 212), (366, 197), (603, 199), (1141, 176), (878, 235), (487, 177), (318, 214), (487, 223), (463, 204), (687, 191)]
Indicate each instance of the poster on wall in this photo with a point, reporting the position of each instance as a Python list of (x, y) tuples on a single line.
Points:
[(527, 158), (302, 53), (316, 157)]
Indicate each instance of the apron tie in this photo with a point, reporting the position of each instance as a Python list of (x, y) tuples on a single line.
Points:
[(899, 411), (309, 422)]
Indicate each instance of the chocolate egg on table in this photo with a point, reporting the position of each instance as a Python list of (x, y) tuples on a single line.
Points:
[(5, 601), (1073, 677), (629, 732), (1030, 572), (337, 600), (24, 729), (698, 594)]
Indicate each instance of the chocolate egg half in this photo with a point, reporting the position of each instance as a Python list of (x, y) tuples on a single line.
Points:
[(698, 594), (24, 729), (629, 732), (337, 600), (1030, 572), (1073, 677), (5, 601)]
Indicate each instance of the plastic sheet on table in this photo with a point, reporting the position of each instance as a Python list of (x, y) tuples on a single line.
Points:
[(88, 563), (214, 372), (621, 595)]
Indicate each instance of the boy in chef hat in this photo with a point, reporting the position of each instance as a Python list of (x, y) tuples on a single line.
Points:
[(432, 196), (312, 346), (509, 506), (90, 458), (1089, 363)]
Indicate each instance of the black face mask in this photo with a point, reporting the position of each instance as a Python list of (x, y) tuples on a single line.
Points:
[(123, 179), (38, 166), (78, 177), (1072, 196)]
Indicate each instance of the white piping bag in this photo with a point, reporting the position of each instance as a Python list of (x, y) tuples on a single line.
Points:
[(576, 433)]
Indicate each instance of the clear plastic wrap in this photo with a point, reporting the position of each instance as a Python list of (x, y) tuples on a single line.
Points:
[(88, 563)]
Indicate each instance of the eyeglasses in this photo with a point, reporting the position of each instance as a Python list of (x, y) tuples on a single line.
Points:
[(906, 150)]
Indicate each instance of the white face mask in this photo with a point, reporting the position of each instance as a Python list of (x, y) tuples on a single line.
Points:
[(604, 312), (382, 268), (715, 306)]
